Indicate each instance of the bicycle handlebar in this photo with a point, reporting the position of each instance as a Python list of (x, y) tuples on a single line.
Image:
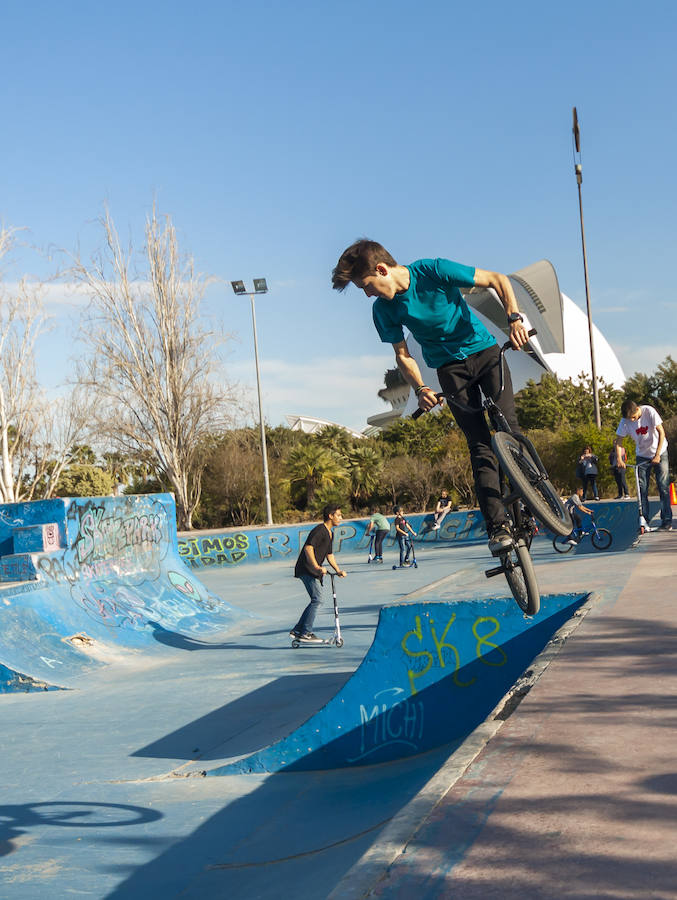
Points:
[(507, 346)]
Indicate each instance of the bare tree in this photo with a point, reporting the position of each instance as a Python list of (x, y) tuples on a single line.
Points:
[(152, 361)]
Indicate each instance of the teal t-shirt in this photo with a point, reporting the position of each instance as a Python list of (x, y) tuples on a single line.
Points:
[(380, 521), (434, 310)]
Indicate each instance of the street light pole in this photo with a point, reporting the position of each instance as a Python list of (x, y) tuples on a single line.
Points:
[(260, 287), (578, 169)]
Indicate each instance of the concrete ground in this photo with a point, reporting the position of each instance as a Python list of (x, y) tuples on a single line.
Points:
[(573, 795)]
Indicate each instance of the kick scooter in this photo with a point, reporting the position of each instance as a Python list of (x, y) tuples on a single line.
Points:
[(372, 537), (335, 640), (413, 562)]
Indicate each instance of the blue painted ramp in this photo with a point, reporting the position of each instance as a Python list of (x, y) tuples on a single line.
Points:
[(112, 586), (434, 671)]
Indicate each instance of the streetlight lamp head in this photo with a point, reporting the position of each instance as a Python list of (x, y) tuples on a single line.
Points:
[(238, 287), (260, 286)]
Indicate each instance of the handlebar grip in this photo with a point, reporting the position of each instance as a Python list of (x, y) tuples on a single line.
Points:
[(417, 412), (531, 332)]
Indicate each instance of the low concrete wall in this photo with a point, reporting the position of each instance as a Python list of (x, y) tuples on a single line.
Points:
[(233, 547)]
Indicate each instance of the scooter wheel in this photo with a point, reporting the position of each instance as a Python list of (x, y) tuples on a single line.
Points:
[(295, 645), (394, 567), (416, 565), (339, 642)]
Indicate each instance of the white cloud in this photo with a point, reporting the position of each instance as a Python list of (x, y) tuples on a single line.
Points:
[(340, 389)]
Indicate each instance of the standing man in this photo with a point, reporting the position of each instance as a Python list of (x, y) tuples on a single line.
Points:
[(381, 526), (425, 296), (645, 426), (310, 570)]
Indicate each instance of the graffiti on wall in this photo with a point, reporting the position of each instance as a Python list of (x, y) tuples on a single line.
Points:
[(116, 568), (396, 715), (222, 550)]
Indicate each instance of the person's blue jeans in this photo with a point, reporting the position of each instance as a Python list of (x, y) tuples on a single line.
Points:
[(660, 469), (405, 547), (314, 587)]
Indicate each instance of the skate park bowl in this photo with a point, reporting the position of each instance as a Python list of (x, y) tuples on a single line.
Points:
[(434, 671), (106, 583), (88, 582)]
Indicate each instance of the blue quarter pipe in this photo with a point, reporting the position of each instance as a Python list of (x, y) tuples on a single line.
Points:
[(99, 576), (434, 671)]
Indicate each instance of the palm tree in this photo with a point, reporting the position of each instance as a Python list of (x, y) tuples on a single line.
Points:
[(314, 466), (364, 467)]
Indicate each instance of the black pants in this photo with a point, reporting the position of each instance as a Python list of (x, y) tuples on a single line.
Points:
[(378, 543), (621, 483), (453, 378)]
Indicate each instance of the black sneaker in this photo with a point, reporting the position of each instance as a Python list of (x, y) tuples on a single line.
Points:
[(666, 527), (500, 539), (310, 638)]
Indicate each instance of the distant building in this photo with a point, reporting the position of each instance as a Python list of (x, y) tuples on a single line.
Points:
[(562, 346), (311, 425)]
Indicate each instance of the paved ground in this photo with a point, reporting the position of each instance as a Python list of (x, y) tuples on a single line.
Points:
[(576, 795), (573, 795)]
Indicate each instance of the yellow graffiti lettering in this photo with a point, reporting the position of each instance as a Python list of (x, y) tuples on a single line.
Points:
[(439, 644), (483, 640), (417, 633)]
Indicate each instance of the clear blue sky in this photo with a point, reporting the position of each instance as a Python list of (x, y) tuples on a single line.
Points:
[(275, 133)]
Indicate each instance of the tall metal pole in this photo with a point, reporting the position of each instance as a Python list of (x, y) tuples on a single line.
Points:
[(264, 451), (579, 180)]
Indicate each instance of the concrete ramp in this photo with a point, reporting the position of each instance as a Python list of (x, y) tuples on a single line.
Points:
[(101, 581), (434, 671)]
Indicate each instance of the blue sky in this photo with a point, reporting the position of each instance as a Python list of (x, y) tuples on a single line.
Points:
[(276, 133)]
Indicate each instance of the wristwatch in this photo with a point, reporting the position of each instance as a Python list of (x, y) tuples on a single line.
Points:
[(515, 317)]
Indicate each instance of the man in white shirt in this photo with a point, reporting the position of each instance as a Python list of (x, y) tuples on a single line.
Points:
[(645, 426)]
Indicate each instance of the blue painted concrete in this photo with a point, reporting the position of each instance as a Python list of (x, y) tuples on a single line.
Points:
[(433, 673), (117, 583), (232, 548)]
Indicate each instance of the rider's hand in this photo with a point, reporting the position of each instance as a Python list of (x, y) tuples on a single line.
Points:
[(341, 574), (519, 336), (427, 399), (322, 571)]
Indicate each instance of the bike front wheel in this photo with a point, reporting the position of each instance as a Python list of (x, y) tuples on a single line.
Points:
[(601, 539), (526, 478), (561, 544), (521, 578)]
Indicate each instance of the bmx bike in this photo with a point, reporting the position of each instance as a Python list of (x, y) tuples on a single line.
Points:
[(601, 538), (526, 491)]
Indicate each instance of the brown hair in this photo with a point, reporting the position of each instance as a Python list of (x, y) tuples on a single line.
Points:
[(628, 408), (360, 259)]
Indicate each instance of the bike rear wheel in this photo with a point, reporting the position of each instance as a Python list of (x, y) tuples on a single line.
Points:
[(601, 539), (561, 544), (521, 578), (525, 477)]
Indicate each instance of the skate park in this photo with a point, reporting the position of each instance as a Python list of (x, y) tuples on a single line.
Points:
[(161, 735)]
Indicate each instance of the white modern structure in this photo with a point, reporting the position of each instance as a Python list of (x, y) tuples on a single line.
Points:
[(562, 346), (311, 425)]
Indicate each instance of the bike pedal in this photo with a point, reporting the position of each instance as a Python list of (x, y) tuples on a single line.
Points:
[(499, 570)]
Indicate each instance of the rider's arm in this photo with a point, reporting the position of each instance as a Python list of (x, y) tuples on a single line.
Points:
[(427, 398), (501, 284), (335, 566), (661, 443), (311, 559)]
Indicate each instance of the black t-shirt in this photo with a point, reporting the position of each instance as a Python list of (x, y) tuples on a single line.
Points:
[(320, 540), (444, 501)]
